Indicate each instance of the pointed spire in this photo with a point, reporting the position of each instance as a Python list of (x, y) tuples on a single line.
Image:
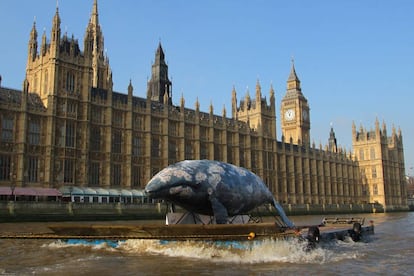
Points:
[(56, 27), (159, 83), (159, 55), (130, 88), (43, 47), (234, 95), (293, 76), (272, 91), (258, 91), (293, 81), (33, 42), (33, 33), (94, 16), (197, 105)]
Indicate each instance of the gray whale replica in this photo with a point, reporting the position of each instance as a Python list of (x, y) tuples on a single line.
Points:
[(212, 188), (218, 190)]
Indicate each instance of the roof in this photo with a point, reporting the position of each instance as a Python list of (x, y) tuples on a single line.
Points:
[(98, 191), (14, 97)]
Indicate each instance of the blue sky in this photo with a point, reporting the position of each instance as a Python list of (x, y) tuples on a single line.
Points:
[(355, 59)]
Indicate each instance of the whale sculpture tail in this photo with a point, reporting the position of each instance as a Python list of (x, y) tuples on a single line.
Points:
[(282, 214)]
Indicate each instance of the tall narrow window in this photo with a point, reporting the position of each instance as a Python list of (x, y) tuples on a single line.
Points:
[(5, 167), (45, 83), (70, 82), (94, 174), (117, 141), (95, 139), (69, 169), (361, 154), (7, 129), (136, 176), (172, 149), (33, 169), (96, 115), (116, 175), (375, 189), (372, 155), (34, 132), (70, 134), (189, 150), (118, 119), (155, 147), (156, 125), (374, 172), (136, 146)]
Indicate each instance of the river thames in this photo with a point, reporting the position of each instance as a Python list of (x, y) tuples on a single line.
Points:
[(389, 252)]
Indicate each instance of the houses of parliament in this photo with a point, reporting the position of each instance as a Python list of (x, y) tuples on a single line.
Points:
[(67, 127)]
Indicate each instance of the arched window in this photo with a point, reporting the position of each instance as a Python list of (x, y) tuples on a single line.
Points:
[(45, 83), (70, 82)]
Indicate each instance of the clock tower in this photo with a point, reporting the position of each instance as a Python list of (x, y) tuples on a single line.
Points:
[(295, 118)]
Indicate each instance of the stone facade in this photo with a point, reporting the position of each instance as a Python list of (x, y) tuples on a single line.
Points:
[(67, 127)]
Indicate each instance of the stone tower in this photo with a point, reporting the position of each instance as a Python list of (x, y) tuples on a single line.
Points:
[(159, 87), (295, 118), (260, 116), (60, 68), (381, 163), (332, 144)]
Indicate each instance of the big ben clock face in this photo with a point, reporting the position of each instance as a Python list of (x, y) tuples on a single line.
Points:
[(289, 115)]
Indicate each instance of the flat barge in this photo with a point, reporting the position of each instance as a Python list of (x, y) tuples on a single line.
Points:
[(327, 230)]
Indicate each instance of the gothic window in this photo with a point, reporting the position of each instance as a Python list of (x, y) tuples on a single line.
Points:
[(218, 153), (71, 108), (138, 125), (172, 149), (242, 158), (69, 169), (4, 167), (7, 129), (117, 141), (116, 175), (156, 125), (95, 139), (70, 82), (217, 136), (375, 189), (374, 172), (118, 118), (136, 176), (372, 155), (45, 83), (70, 134), (361, 154), (94, 174), (203, 151), (173, 129), (34, 132), (136, 146), (203, 134), (189, 150), (96, 115), (189, 131), (33, 165), (156, 147)]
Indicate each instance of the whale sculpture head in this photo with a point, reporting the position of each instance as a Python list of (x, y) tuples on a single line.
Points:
[(212, 188)]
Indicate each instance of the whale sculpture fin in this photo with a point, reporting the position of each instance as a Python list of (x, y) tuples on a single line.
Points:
[(220, 212), (282, 214)]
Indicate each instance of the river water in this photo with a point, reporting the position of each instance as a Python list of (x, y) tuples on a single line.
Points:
[(389, 252)]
